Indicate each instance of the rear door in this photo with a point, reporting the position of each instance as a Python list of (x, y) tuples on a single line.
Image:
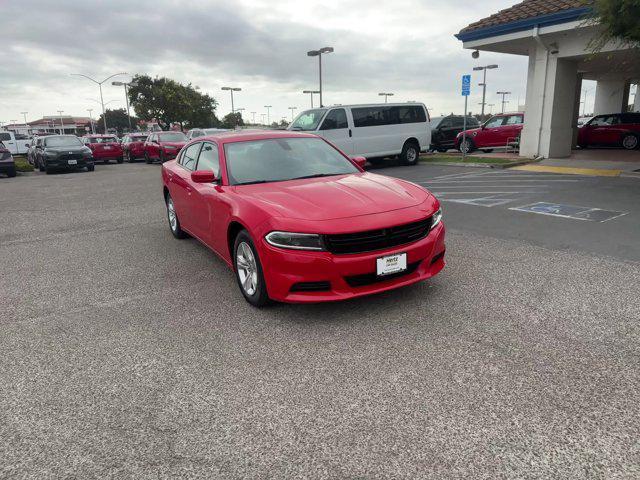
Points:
[(335, 128), (512, 128)]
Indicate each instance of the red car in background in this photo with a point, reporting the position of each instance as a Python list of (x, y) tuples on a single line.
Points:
[(612, 130), (133, 146), (499, 131), (163, 146), (104, 147), (299, 221)]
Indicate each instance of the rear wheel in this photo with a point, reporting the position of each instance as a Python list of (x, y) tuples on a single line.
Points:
[(162, 159), (249, 271), (174, 223), (91, 167), (467, 146), (11, 173), (630, 141), (410, 153), (48, 169), (146, 158)]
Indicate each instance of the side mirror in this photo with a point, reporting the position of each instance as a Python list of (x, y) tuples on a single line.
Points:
[(203, 176), (359, 161)]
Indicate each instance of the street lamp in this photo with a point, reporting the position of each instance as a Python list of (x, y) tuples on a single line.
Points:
[(385, 95), (311, 92), (318, 53), (61, 122), (490, 105), (504, 94), (104, 117), (484, 83), (232, 89), (293, 109), (126, 96), (268, 113), (91, 119), (262, 115), (253, 118)]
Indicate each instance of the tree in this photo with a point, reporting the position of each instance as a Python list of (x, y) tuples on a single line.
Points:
[(168, 101), (232, 120), (619, 19), (116, 119)]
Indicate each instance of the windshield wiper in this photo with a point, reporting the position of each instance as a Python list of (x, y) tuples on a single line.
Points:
[(316, 175), (253, 182), (296, 128)]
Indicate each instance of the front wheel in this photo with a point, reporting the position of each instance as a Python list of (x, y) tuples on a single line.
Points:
[(91, 167), (162, 159), (40, 166), (630, 142), (249, 271), (410, 153), (146, 158), (174, 223)]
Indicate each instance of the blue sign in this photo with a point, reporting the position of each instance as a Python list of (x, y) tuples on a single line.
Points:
[(466, 85)]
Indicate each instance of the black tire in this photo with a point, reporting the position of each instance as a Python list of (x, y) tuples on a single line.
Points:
[(471, 145), (630, 141), (161, 156), (120, 159), (487, 150), (410, 153), (11, 172), (175, 228), (48, 169), (40, 166), (146, 158), (91, 167), (130, 159), (259, 297)]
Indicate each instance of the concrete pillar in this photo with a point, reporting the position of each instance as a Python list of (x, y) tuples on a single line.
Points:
[(551, 105), (610, 96)]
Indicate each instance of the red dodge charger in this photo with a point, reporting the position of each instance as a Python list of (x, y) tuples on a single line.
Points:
[(299, 221)]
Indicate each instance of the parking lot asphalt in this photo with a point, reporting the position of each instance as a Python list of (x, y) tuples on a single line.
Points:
[(125, 353)]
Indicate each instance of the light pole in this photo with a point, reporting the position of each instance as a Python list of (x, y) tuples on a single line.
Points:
[(232, 89), (104, 116), (318, 53), (293, 109), (385, 95), (311, 92), (91, 119), (268, 113), (61, 122), (126, 96), (253, 118), (490, 105), (504, 94), (262, 115), (484, 83)]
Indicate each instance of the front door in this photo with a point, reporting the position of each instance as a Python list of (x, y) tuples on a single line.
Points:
[(335, 128), (491, 134), (181, 186)]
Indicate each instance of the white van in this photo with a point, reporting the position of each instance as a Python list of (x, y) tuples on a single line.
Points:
[(373, 131), (15, 146)]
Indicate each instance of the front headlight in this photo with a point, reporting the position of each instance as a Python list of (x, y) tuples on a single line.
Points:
[(436, 218), (296, 241)]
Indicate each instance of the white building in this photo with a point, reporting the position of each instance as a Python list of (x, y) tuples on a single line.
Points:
[(556, 36)]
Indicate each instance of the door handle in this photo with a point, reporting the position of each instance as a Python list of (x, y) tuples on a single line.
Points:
[(350, 133)]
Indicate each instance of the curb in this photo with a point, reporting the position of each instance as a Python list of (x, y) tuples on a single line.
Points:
[(483, 165)]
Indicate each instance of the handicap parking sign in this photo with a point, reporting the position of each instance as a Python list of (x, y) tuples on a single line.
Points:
[(466, 85)]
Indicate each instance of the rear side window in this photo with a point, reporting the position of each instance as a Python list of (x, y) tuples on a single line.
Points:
[(208, 159), (5, 136), (382, 115), (605, 120), (630, 118), (336, 118), (514, 120), (472, 122), (189, 156), (458, 122), (411, 114)]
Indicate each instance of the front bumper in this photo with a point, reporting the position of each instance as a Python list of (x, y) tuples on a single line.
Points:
[(6, 167), (60, 163), (283, 269)]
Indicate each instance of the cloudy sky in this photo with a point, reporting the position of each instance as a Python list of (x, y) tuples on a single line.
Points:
[(406, 47)]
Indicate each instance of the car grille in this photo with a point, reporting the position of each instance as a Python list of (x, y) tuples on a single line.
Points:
[(370, 278), (322, 286), (71, 156), (378, 239)]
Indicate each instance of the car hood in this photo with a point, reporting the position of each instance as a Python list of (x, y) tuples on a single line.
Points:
[(64, 150), (329, 198)]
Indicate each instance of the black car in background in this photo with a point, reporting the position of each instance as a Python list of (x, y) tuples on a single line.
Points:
[(445, 129), (7, 164), (62, 152)]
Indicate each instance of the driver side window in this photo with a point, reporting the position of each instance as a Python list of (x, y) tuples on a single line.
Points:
[(495, 122), (335, 119), (188, 159), (208, 159)]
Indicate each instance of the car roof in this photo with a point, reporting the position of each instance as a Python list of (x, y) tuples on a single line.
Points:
[(232, 136)]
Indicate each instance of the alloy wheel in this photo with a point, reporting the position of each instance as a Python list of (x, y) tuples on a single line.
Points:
[(630, 142), (247, 268), (171, 212)]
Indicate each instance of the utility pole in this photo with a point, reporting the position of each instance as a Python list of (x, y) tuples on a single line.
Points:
[(91, 120), (504, 94), (484, 83), (126, 96)]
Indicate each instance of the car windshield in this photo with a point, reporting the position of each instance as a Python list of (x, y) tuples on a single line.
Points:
[(280, 159), (102, 139), (62, 141), (172, 137), (308, 120)]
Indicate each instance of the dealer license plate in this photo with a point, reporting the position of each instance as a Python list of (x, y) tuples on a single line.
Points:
[(72, 162), (391, 264)]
